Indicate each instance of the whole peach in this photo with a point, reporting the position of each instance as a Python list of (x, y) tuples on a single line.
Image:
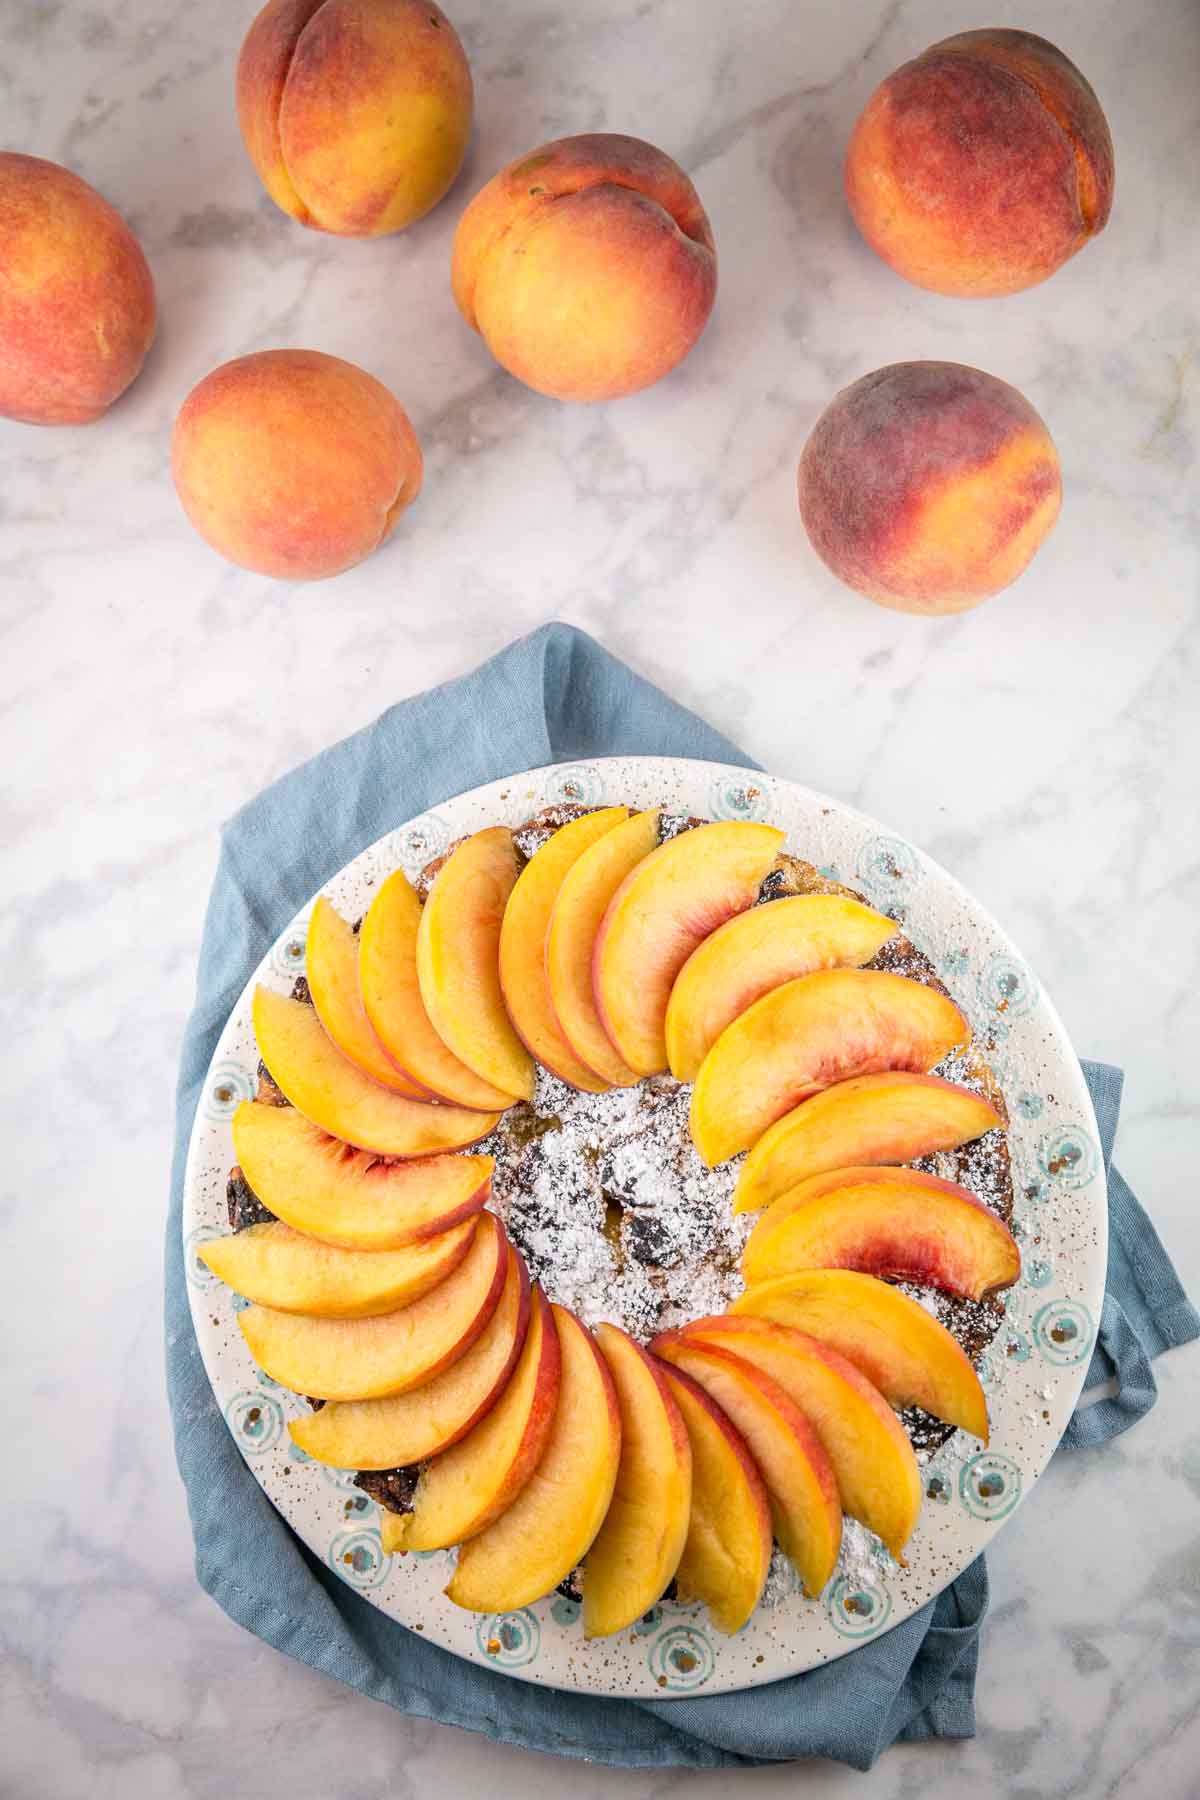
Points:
[(77, 309), (356, 113), (588, 267), (981, 166), (928, 486), (293, 463)]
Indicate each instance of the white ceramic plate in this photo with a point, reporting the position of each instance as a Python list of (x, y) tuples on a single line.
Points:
[(1033, 1372)]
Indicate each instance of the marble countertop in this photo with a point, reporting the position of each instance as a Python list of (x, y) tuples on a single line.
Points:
[(1039, 747)]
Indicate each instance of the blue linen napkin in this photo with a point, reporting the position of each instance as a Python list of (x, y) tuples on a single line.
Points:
[(556, 696)]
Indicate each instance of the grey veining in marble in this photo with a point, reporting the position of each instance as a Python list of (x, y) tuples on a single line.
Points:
[(1044, 747)]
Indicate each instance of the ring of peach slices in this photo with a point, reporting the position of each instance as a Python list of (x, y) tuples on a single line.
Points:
[(385, 1289)]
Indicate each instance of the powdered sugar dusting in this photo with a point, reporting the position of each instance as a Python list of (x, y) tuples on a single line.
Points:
[(614, 1211)]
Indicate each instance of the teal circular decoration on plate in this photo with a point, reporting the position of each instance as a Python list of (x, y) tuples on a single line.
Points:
[(858, 1609), (198, 1273), (229, 1083), (1016, 1346), (990, 1485), (681, 1658), (574, 784), (740, 800), (888, 865), (358, 1507), (1064, 1332), (510, 1640), (1006, 987), (358, 1557), (1039, 1272), (938, 1487), (287, 956), (421, 841), (1030, 1106), (1069, 1156), (649, 1622), (565, 1611), (256, 1421)]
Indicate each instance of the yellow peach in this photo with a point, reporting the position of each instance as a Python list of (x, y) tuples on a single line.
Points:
[(554, 1519), (356, 113), (523, 934), (928, 486), (890, 1338), (638, 1547), (425, 1421), (668, 904), (982, 165), (352, 1198), (293, 463), (587, 266), (77, 311)]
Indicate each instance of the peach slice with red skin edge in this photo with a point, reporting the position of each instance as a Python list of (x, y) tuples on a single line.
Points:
[(331, 968), (892, 1117), (554, 1519), (579, 910), (458, 960), (759, 950), (391, 995), (463, 1489), (523, 979), (808, 1034), (897, 1223), (868, 1448), (367, 1359), (309, 1070), (638, 1547), (806, 1510), (728, 1550), (663, 909), (406, 1428), (290, 1272), (321, 1186), (890, 1338)]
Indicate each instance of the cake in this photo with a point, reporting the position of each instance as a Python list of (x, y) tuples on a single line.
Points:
[(628, 1197)]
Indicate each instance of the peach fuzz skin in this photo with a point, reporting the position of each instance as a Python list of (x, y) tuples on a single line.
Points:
[(77, 310), (928, 486), (356, 113), (293, 463), (588, 267), (979, 168)]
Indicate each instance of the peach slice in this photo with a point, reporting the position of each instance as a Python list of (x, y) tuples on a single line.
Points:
[(468, 1486), (806, 1035), (286, 1270), (900, 1223), (551, 1524), (664, 907), (317, 1184), (757, 951), (868, 1448), (523, 979), (579, 909), (728, 1549), (309, 1070), (364, 1359), (638, 1547), (391, 994), (406, 1428), (890, 1338), (458, 960), (892, 1117), (805, 1508), (331, 965)]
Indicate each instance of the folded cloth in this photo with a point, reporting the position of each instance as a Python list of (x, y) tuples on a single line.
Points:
[(555, 696)]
